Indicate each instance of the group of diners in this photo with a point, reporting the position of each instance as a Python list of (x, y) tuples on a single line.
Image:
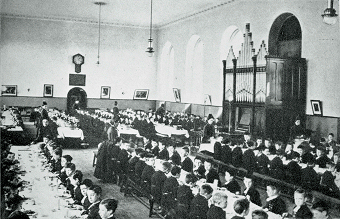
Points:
[(312, 165), (181, 188), (81, 193)]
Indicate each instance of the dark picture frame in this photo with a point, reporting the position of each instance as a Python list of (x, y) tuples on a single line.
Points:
[(48, 90), (316, 107), (177, 94), (105, 92), (9, 90), (141, 94)]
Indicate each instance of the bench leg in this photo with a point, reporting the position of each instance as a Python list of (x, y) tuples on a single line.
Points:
[(151, 202)]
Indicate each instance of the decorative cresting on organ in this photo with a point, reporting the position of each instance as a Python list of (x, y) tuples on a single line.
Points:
[(244, 66)]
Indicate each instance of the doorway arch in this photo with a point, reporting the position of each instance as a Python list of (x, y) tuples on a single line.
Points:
[(285, 37), (74, 94)]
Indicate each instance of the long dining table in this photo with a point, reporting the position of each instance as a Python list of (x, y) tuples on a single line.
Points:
[(44, 197)]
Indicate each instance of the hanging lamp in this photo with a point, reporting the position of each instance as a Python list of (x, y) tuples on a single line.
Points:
[(150, 50), (99, 24)]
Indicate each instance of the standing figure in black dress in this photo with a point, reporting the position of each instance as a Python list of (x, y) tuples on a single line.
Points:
[(209, 129)]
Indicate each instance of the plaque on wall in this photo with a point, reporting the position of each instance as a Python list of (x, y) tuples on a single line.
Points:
[(77, 80)]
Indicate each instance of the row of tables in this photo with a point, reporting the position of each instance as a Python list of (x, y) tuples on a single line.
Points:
[(45, 199)]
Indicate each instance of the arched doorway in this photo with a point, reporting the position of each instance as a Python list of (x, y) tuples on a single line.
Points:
[(75, 94), (285, 37), (286, 77)]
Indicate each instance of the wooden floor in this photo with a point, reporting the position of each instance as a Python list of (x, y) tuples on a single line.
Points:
[(128, 207)]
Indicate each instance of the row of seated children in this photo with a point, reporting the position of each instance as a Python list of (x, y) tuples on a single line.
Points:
[(161, 180), (83, 194), (255, 159)]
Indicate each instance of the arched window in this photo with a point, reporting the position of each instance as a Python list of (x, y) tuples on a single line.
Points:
[(166, 76), (232, 36), (194, 68)]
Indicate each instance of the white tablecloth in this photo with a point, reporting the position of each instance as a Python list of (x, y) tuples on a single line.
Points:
[(123, 129), (168, 130), (67, 132), (42, 191)]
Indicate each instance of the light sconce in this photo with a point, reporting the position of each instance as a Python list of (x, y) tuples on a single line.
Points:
[(150, 50), (329, 15)]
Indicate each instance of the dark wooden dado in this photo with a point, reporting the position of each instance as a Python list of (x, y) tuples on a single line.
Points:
[(323, 125)]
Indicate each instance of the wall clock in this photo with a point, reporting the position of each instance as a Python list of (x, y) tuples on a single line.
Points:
[(78, 60)]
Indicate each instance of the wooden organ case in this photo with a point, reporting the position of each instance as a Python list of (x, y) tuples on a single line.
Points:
[(262, 94)]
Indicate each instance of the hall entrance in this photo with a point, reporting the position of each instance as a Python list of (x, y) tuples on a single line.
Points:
[(76, 94)]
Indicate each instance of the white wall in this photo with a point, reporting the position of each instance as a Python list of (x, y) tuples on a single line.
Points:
[(37, 52), (320, 44)]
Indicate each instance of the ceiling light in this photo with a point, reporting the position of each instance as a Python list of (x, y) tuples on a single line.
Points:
[(99, 17), (329, 15), (150, 50)]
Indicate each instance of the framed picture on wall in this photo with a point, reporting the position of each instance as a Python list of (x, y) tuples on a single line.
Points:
[(141, 94), (48, 90), (8, 90), (177, 94), (207, 100), (316, 107), (105, 92)]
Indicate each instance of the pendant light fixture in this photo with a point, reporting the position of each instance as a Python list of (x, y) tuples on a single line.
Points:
[(150, 50), (99, 22), (330, 15)]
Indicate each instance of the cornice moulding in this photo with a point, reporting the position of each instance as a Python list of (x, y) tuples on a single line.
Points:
[(118, 24)]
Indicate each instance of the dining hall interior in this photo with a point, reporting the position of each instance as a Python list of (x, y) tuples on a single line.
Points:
[(127, 74)]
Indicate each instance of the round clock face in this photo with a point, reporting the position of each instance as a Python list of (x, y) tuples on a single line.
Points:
[(78, 59)]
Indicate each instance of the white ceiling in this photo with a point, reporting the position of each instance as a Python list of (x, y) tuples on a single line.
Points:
[(125, 12)]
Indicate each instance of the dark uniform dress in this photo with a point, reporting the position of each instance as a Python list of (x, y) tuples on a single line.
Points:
[(139, 167), (101, 170), (208, 132), (199, 207), (293, 172), (322, 161), (249, 161), (309, 178), (93, 210), (303, 212), (296, 130), (175, 158), (187, 165), (277, 168), (254, 196), (233, 186), (215, 212), (211, 176), (163, 155), (218, 151), (262, 163), (169, 192), (237, 157), (157, 182), (147, 173), (276, 205), (226, 156), (77, 195), (184, 198)]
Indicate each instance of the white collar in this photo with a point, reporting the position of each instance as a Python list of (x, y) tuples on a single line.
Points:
[(271, 198), (94, 204)]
